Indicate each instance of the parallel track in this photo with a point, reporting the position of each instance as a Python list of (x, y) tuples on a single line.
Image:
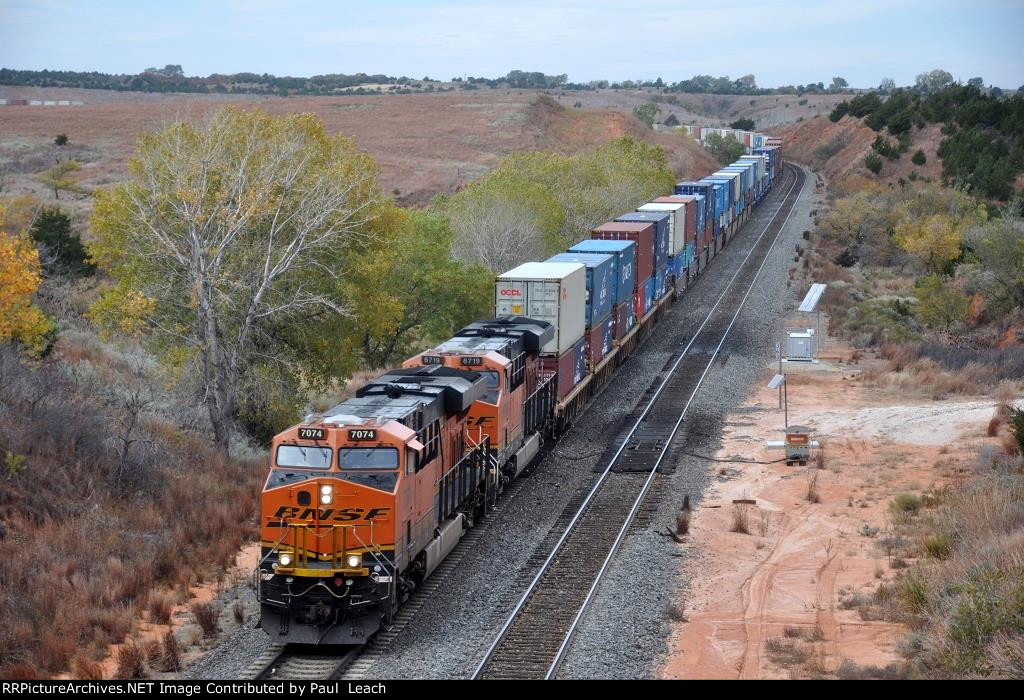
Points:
[(534, 639)]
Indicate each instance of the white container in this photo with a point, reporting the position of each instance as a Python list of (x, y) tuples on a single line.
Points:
[(676, 222), (553, 292), (760, 167), (737, 188)]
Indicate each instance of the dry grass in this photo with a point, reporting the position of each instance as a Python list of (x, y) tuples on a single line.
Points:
[(812, 494), (207, 616), (85, 549), (85, 669), (170, 656), (239, 612), (131, 663), (740, 519), (786, 652), (160, 608)]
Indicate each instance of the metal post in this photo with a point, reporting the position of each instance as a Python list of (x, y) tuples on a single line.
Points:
[(778, 353), (785, 389)]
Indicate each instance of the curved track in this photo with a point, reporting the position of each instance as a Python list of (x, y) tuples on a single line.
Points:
[(534, 639)]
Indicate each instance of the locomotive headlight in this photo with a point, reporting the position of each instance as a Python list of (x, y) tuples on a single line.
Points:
[(326, 493), (285, 560), (354, 560)]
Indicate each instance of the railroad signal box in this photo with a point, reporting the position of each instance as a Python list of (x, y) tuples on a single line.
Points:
[(800, 346), (798, 444)]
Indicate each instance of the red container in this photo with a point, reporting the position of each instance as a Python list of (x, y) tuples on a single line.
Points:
[(599, 341), (691, 213), (624, 318), (570, 366), (639, 232), (638, 302)]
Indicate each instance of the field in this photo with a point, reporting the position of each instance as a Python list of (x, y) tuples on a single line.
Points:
[(425, 144)]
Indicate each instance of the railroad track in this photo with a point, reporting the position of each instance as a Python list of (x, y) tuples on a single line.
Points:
[(536, 635), (295, 662)]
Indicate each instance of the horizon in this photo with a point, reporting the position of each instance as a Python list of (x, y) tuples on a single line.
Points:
[(457, 38)]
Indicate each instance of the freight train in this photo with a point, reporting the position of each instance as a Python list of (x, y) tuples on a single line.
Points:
[(363, 502)]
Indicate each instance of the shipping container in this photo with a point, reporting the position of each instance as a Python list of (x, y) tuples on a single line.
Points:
[(662, 221), (640, 300), (661, 283), (571, 366), (624, 254), (552, 292), (676, 212), (625, 317), (690, 214), (600, 282), (650, 294), (599, 340), (704, 189), (720, 203), (641, 233)]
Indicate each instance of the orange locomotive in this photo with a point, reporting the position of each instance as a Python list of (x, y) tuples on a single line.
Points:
[(363, 502)]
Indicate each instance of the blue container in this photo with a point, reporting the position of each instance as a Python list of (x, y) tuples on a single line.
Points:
[(699, 189), (579, 364), (722, 208), (660, 282), (600, 282), (624, 253), (691, 253), (649, 297), (660, 221)]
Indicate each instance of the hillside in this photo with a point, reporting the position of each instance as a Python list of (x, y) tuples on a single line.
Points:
[(803, 138)]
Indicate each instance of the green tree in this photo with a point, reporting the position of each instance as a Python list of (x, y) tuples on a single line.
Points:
[(229, 245), (725, 149), (939, 303), (62, 250), (745, 124), (999, 245), (672, 120), (61, 140), (423, 295), (976, 82), (647, 113), (933, 80), (873, 162), (918, 158), (838, 84), (60, 177)]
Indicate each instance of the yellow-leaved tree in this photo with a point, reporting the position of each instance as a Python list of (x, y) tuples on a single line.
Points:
[(19, 279), (230, 246)]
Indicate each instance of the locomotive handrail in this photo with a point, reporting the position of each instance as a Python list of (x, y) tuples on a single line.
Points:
[(607, 470)]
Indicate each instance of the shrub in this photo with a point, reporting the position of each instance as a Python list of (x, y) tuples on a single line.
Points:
[(938, 546), (160, 607), (207, 616), (62, 250), (918, 158), (740, 519), (873, 162), (131, 663), (1017, 427), (905, 503), (85, 669), (785, 652), (829, 148)]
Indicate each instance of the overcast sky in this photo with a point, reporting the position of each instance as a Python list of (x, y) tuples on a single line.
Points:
[(792, 41)]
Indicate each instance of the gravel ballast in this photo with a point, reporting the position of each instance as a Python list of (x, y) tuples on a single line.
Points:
[(625, 630)]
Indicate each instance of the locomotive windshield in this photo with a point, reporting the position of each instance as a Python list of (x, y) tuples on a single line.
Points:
[(492, 382), (302, 456), (377, 458), (368, 458)]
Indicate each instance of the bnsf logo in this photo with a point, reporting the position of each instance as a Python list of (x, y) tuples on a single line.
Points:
[(341, 515), (510, 293)]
